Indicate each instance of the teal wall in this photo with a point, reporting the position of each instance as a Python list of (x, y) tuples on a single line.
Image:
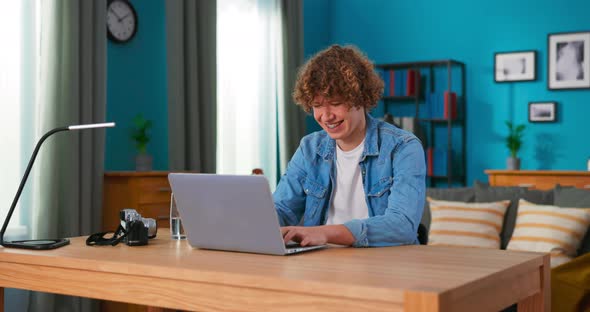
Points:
[(136, 83), (471, 32), (316, 29)]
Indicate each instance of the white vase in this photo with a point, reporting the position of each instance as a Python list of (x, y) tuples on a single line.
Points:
[(513, 163)]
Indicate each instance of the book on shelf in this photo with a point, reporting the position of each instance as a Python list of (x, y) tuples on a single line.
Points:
[(394, 82), (436, 161), (400, 82), (434, 104), (400, 86), (386, 84), (392, 90), (412, 82), (440, 161), (441, 105), (450, 106)]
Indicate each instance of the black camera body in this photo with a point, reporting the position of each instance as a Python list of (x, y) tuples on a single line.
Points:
[(139, 230)]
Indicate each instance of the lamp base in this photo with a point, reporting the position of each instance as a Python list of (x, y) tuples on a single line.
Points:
[(37, 244)]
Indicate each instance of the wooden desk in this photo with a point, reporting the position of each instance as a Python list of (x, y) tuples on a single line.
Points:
[(171, 274), (539, 179)]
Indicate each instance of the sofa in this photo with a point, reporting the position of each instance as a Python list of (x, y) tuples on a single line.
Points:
[(570, 282)]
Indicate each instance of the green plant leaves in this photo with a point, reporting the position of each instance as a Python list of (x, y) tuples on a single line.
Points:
[(514, 138), (140, 134)]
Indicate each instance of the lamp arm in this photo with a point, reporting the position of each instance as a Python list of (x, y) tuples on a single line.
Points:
[(24, 179)]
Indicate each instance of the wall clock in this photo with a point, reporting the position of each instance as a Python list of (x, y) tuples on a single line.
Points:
[(121, 21)]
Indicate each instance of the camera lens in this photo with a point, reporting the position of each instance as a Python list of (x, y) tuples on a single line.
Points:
[(151, 225)]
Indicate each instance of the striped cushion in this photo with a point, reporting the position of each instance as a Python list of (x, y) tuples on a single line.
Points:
[(466, 224), (552, 229)]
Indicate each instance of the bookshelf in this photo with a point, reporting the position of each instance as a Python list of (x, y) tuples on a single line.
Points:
[(429, 99)]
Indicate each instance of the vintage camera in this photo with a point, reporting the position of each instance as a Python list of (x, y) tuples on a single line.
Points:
[(138, 229)]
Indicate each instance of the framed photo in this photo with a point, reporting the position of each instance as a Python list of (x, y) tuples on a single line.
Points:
[(542, 111), (515, 66), (569, 61)]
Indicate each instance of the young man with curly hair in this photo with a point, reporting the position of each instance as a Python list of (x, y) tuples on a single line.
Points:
[(360, 181)]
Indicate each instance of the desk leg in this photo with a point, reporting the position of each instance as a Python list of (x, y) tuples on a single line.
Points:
[(531, 304), (1, 299), (540, 301)]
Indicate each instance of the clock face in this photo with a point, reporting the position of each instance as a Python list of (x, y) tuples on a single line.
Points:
[(121, 21)]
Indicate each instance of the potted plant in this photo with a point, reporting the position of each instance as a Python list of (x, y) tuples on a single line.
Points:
[(140, 135), (514, 143)]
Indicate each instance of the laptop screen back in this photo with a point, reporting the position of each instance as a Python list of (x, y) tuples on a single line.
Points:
[(228, 212)]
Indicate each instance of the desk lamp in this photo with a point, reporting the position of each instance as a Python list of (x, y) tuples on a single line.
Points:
[(41, 244)]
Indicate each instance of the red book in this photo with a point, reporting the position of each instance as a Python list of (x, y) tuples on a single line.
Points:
[(429, 161), (450, 105), (412, 81), (392, 82)]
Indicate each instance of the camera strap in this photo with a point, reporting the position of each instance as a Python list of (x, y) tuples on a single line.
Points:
[(99, 239)]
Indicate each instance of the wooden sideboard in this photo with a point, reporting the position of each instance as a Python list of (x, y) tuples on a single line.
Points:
[(539, 179), (147, 192)]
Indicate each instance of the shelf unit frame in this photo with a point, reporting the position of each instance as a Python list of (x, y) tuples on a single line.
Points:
[(450, 177)]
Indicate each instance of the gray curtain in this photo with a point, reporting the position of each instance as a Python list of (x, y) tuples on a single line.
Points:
[(192, 87), (292, 121), (67, 198)]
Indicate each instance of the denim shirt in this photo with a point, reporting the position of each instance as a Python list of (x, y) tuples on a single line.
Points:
[(393, 170)]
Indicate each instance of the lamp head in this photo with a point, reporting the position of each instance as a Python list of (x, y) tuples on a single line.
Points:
[(90, 126)]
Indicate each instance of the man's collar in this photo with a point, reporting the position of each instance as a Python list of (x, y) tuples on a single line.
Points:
[(327, 146)]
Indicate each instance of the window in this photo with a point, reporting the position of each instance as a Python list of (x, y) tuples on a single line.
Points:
[(249, 56), (18, 30)]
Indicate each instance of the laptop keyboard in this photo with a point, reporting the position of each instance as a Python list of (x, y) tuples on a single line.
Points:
[(292, 245)]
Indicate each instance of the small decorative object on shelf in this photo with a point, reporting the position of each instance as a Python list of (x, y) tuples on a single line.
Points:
[(388, 118), (588, 163), (514, 143), (140, 135)]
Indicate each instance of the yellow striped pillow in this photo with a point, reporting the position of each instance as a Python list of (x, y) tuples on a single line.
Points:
[(466, 224), (552, 229)]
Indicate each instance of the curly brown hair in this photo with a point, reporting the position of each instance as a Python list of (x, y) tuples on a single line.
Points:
[(338, 71)]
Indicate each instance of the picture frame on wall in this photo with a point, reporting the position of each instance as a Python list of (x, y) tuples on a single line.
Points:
[(543, 111), (568, 60), (515, 66)]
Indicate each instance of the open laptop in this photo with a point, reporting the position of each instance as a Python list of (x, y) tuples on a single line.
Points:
[(230, 212)]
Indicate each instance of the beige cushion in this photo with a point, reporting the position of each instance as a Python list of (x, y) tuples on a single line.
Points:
[(466, 224), (553, 229)]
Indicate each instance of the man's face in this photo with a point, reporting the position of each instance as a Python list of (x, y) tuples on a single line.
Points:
[(343, 123)]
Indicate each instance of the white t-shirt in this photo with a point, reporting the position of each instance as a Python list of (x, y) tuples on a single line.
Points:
[(348, 201)]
